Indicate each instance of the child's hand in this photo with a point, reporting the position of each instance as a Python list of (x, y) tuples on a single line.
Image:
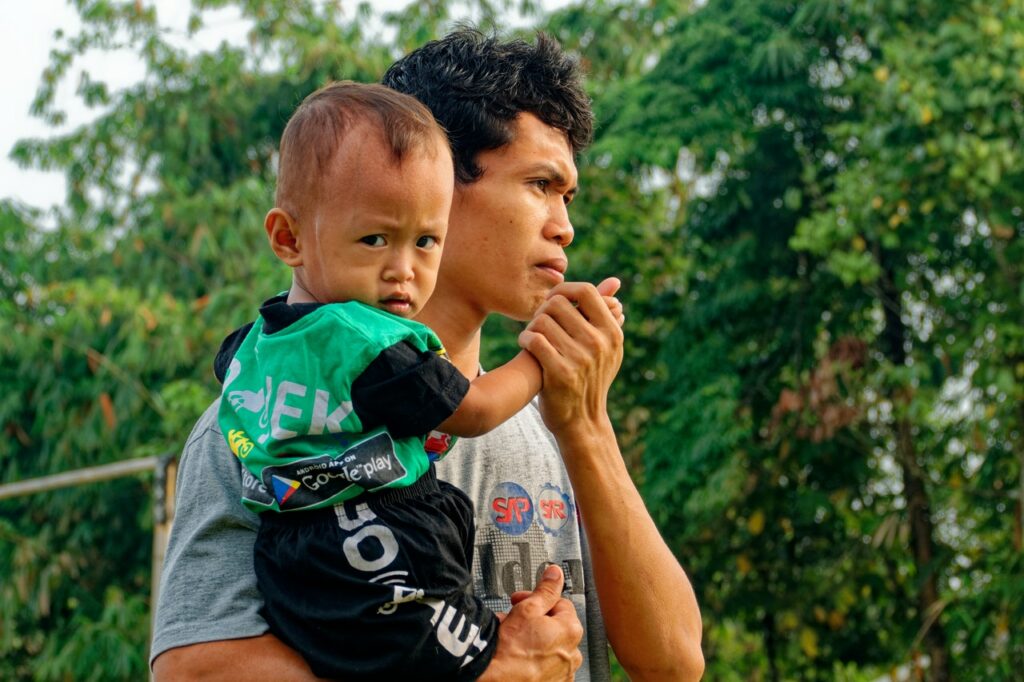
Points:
[(608, 288), (615, 308)]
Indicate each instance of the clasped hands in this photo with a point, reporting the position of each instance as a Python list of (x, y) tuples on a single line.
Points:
[(576, 336)]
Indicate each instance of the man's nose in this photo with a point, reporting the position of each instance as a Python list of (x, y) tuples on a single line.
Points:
[(559, 227)]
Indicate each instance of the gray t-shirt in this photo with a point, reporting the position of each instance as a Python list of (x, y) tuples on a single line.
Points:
[(526, 518)]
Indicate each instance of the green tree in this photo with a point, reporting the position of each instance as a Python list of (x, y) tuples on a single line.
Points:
[(924, 219), (835, 427), (759, 506)]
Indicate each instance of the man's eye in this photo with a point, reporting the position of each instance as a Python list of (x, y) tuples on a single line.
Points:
[(373, 240), (541, 183), (426, 242)]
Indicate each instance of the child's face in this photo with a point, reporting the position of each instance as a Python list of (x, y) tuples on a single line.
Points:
[(377, 233)]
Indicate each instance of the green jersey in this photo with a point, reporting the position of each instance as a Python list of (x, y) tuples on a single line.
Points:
[(321, 403)]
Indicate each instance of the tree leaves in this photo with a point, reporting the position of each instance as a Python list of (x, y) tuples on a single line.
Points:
[(857, 203)]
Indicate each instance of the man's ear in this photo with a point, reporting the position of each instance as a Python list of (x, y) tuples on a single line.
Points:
[(283, 232)]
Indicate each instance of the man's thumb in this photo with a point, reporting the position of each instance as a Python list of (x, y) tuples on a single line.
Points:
[(550, 585), (609, 286)]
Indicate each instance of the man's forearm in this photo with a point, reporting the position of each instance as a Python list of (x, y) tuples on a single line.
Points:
[(537, 640), (649, 607), (264, 657)]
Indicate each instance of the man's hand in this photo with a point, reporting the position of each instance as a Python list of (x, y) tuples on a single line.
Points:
[(539, 638), (576, 336)]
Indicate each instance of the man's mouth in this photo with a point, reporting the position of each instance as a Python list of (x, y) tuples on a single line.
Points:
[(554, 269)]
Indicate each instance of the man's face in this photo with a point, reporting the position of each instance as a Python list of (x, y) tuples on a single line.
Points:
[(376, 234), (508, 230)]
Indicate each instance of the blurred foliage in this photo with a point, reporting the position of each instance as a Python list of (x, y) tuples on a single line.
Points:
[(816, 211), (836, 448)]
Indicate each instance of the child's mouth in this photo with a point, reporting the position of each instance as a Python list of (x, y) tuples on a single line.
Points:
[(397, 305)]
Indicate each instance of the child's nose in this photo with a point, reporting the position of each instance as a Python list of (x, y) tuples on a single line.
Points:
[(399, 268)]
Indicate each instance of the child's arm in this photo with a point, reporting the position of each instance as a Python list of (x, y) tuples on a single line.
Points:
[(498, 395), (495, 397)]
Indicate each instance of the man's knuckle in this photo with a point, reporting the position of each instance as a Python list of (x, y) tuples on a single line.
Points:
[(561, 304), (596, 340), (528, 608), (541, 323)]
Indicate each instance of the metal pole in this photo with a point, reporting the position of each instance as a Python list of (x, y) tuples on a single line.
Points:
[(163, 518), (91, 475), (164, 468)]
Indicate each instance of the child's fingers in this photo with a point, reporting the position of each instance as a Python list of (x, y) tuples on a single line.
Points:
[(615, 308)]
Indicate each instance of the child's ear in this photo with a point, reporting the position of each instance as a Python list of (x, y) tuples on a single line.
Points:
[(283, 232)]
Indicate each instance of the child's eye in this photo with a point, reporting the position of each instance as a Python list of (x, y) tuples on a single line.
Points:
[(426, 242), (373, 240)]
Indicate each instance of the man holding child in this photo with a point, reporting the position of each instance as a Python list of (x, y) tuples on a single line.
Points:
[(515, 114)]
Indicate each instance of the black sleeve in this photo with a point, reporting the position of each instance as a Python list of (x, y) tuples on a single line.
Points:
[(407, 390), (228, 347)]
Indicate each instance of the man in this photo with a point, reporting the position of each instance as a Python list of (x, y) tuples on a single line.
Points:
[(516, 115)]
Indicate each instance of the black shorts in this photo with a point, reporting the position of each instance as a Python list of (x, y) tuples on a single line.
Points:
[(378, 588)]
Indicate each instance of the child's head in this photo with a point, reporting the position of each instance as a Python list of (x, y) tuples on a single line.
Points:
[(364, 187)]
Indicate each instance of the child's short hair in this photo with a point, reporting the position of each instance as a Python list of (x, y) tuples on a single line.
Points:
[(315, 131)]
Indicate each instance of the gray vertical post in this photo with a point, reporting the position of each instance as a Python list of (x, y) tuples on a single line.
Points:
[(164, 475)]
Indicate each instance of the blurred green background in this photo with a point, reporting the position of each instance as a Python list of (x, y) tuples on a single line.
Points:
[(816, 209)]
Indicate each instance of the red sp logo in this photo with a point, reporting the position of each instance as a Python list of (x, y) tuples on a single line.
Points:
[(510, 509)]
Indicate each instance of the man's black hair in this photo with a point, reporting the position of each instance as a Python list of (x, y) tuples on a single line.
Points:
[(475, 85)]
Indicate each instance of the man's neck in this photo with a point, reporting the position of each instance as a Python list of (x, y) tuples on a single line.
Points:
[(459, 330)]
